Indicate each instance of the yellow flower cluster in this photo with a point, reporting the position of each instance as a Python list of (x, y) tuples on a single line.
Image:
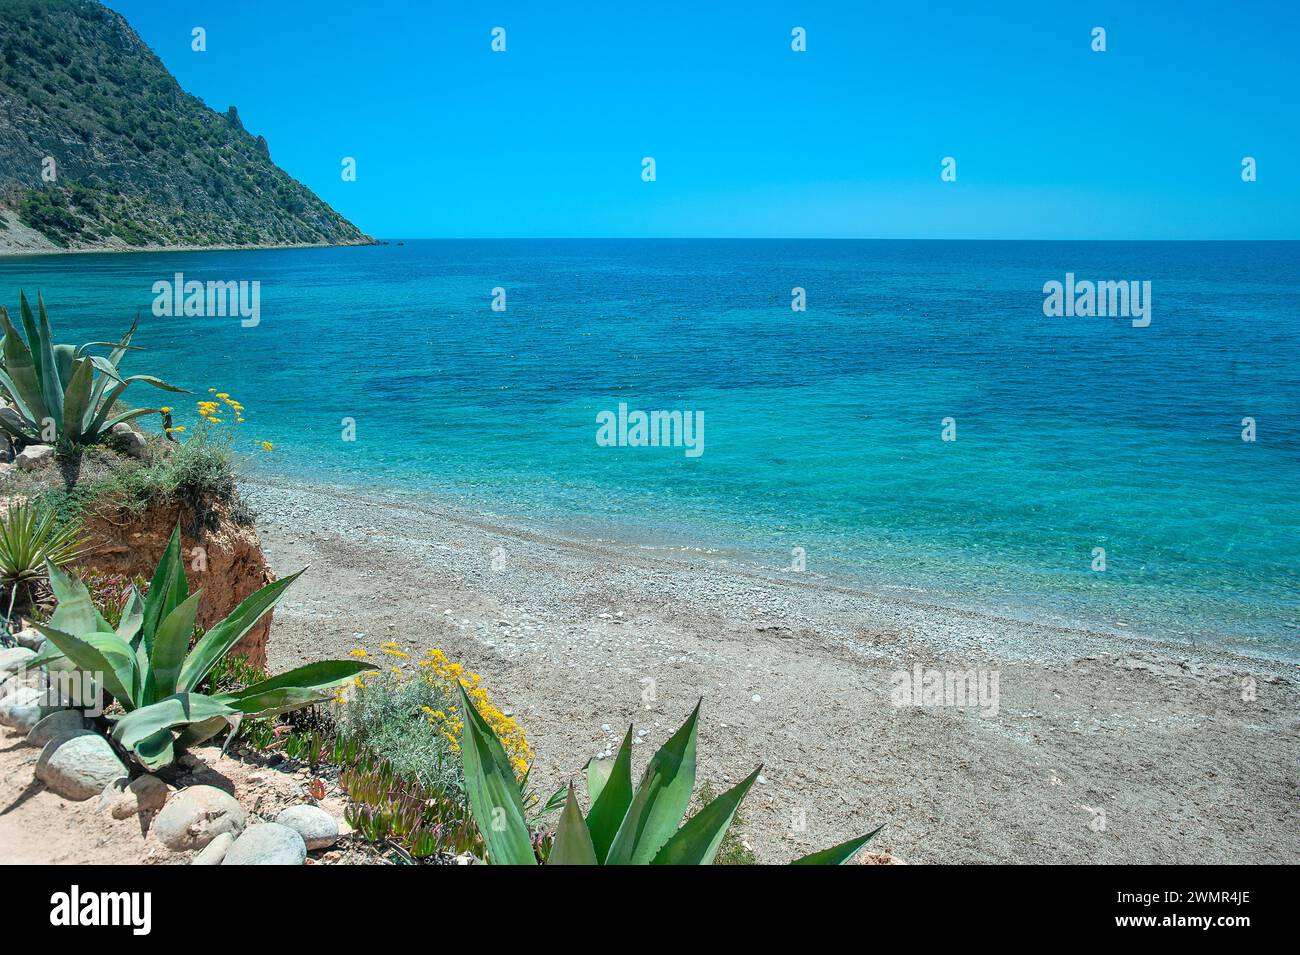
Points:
[(167, 409), (438, 671), (208, 410), (219, 410)]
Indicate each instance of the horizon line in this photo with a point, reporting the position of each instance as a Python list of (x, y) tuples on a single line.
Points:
[(761, 238)]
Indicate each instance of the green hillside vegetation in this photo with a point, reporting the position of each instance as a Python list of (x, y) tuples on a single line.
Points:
[(138, 159)]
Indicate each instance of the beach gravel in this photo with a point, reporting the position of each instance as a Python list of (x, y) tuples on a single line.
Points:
[(1161, 738)]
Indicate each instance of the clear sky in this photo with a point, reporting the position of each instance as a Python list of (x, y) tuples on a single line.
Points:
[(750, 138)]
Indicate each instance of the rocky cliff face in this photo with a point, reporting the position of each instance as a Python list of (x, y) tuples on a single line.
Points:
[(226, 562), (101, 148)]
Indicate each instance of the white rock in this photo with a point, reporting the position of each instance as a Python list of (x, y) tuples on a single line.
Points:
[(58, 723), (195, 816), (267, 844), (216, 850), (318, 828), (133, 441), (14, 659), (34, 456), (79, 765), (23, 708), (25, 718), (18, 698)]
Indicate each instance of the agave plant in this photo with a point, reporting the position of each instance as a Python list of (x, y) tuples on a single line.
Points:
[(147, 664), (54, 388), (30, 536), (624, 826)]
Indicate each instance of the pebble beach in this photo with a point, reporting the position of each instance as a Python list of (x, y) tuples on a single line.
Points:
[(1093, 739)]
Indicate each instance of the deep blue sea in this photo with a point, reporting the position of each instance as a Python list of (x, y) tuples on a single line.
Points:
[(822, 427)]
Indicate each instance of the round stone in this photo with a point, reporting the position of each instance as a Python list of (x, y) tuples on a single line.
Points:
[(58, 723), (78, 765), (267, 844), (319, 830), (194, 817), (13, 659)]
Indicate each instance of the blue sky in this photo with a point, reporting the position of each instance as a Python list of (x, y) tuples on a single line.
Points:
[(750, 138)]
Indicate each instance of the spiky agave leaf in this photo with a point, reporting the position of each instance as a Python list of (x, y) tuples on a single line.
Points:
[(299, 687), (661, 799), (840, 854), (609, 790), (493, 791), (697, 842), (572, 840), (148, 731), (146, 666), (30, 536), (105, 657), (62, 383), (221, 637)]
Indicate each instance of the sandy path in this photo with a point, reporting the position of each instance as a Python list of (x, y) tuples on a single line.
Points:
[(569, 634)]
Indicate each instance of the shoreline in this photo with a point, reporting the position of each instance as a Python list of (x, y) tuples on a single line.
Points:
[(797, 675), (13, 253), (635, 540)]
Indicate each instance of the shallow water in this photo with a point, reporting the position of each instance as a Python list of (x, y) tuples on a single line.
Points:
[(822, 428)]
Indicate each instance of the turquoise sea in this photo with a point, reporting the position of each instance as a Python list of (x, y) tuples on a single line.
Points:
[(822, 427)]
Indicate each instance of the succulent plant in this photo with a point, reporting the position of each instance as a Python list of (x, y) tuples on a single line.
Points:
[(147, 664), (625, 825), (29, 537), (62, 391)]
